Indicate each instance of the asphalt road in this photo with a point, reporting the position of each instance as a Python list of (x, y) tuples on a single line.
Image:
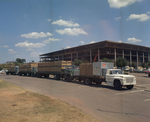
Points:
[(103, 102)]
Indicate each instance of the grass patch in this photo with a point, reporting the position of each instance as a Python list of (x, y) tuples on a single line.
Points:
[(19, 105)]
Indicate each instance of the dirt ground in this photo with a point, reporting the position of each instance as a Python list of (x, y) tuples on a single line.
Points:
[(19, 105)]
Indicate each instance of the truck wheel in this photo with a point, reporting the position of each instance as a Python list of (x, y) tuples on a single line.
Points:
[(129, 86), (68, 78), (7, 73), (88, 81), (57, 77), (99, 83), (117, 85)]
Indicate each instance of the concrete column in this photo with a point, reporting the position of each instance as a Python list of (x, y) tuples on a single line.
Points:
[(90, 56), (58, 57), (62, 57), (98, 55), (137, 59), (130, 58), (77, 56), (71, 56), (148, 57), (143, 57), (122, 53), (115, 54)]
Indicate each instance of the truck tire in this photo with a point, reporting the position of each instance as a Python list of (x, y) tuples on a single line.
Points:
[(88, 81), (39, 76), (117, 85), (129, 86), (99, 83), (7, 73), (58, 77), (68, 78)]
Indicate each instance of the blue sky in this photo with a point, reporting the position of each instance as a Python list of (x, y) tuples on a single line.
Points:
[(29, 28)]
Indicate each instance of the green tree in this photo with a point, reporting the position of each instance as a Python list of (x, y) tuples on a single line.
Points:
[(1, 68), (106, 60), (133, 65), (143, 65), (121, 62), (77, 62), (20, 60)]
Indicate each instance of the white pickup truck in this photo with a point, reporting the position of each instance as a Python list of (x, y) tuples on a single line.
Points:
[(116, 78)]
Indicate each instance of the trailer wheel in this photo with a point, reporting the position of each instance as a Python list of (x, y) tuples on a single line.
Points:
[(39, 75), (88, 81), (117, 85), (129, 87), (20, 74), (7, 73)]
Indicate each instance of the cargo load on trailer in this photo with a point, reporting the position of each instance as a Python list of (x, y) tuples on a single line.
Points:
[(26, 68), (52, 68), (13, 70)]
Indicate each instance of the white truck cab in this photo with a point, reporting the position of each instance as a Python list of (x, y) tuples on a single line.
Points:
[(116, 78)]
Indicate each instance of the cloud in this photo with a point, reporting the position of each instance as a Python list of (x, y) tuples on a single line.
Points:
[(49, 20), (139, 17), (74, 31), (148, 12), (30, 49), (92, 42), (65, 23), (120, 41), (35, 54), (68, 47), (30, 45), (11, 51), (51, 40), (117, 18), (121, 3), (82, 42), (5, 46), (36, 35), (133, 40)]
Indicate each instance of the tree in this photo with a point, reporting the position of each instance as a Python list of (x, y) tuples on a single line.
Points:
[(1, 68), (20, 60), (77, 62), (133, 65), (33, 61), (121, 62), (106, 60), (143, 65)]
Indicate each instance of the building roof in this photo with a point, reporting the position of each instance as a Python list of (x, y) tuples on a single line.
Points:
[(100, 44)]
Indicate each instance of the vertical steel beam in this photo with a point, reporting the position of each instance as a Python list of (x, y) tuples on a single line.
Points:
[(90, 56), (77, 55), (143, 57), (98, 55), (71, 56), (137, 56), (115, 56)]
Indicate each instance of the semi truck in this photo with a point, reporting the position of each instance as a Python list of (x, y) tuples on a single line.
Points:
[(99, 72), (14, 70), (27, 69)]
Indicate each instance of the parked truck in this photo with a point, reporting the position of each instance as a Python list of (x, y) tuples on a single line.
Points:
[(55, 68), (13, 70), (99, 72), (26, 69)]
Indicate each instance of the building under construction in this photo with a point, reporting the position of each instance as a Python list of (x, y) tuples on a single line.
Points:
[(104, 49)]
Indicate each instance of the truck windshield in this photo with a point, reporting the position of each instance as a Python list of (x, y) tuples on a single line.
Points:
[(117, 72)]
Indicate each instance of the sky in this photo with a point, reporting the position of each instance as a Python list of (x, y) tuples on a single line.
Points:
[(29, 28)]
